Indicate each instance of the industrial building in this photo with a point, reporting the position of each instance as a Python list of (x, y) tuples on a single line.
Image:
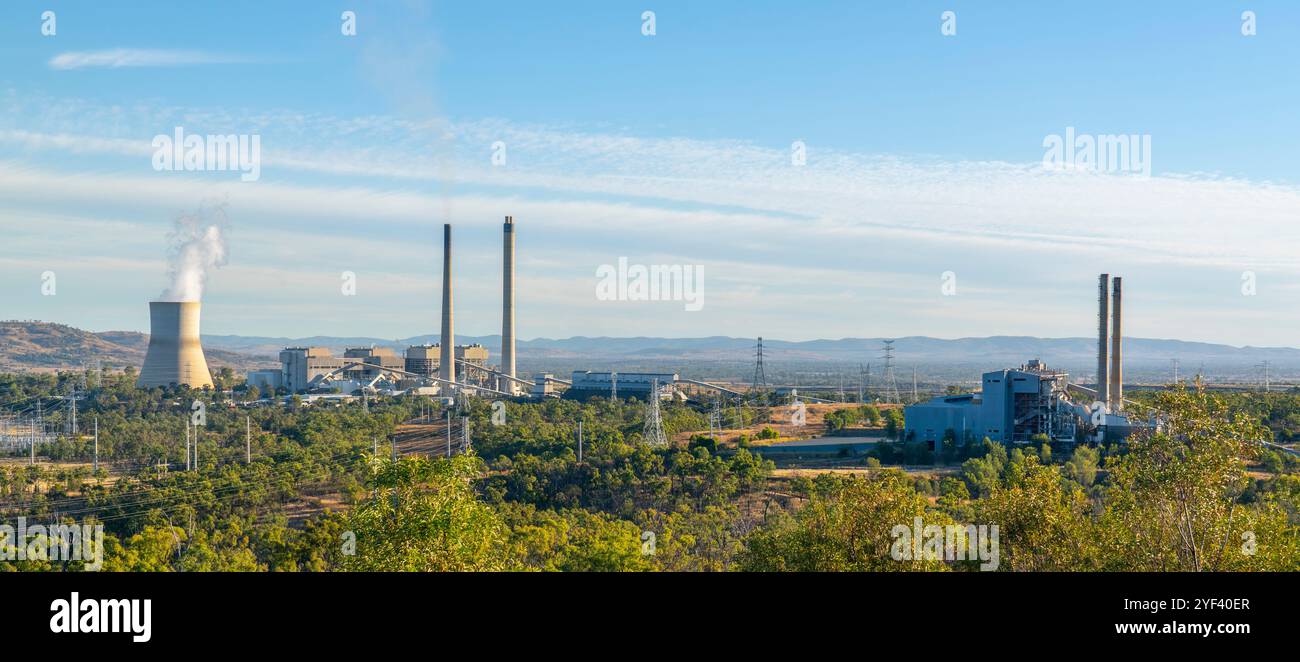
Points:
[(424, 360), (302, 369), (265, 380), (1016, 405), (617, 384), (368, 363), (305, 368), (1013, 406)]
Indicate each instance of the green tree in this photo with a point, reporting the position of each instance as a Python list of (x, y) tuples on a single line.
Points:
[(1082, 466), (848, 528), (1174, 500), (425, 517)]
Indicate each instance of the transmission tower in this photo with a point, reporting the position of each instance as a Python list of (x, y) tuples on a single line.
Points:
[(70, 426), (866, 382), (1267, 384), (760, 379), (654, 424), (890, 387)]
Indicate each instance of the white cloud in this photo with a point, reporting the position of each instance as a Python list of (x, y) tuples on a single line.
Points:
[(140, 57), (852, 242)]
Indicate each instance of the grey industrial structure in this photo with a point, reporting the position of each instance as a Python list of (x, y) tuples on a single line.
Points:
[(507, 306), (447, 365), (423, 366), (587, 383), (1016, 405)]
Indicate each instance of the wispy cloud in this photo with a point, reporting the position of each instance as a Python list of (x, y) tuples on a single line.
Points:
[(140, 57), (855, 241)]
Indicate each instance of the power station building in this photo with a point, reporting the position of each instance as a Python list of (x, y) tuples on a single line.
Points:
[(625, 384), (300, 366), (175, 356), (1016, 405), (1013, 407)]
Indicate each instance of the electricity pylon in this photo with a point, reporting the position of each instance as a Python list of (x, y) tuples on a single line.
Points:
[(654, 424)]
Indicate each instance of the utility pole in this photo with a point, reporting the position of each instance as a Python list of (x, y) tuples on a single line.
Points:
[(196, 448), (448, 433), (248, 440), (464, 434), (96, 444), (188, 454), (914, 396)]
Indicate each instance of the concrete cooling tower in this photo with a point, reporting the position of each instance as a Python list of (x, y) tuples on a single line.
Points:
[(175, 355)]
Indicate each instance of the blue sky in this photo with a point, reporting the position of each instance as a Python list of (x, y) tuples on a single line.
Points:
[(924, 156)]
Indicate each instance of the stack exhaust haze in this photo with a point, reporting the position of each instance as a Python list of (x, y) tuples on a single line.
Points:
[(175, 355), (198, 245), (447, 353), (508, 304)]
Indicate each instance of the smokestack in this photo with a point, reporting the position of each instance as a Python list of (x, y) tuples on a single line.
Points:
[(508, 302), (175, 355), (447, 357), (1116, 351), (1103, 320)]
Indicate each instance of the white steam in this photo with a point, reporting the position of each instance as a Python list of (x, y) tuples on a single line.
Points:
[(197, 245)]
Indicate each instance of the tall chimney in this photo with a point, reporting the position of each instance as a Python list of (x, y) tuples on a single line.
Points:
[(175, 355), (1116, 351), (447, 355), (1103, 321), (508, 303)]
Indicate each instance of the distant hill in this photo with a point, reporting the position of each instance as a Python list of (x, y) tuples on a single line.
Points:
[(41, 346), (909, 349), (46, 346)]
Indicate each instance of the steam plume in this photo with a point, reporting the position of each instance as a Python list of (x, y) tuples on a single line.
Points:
[(198, 245)]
